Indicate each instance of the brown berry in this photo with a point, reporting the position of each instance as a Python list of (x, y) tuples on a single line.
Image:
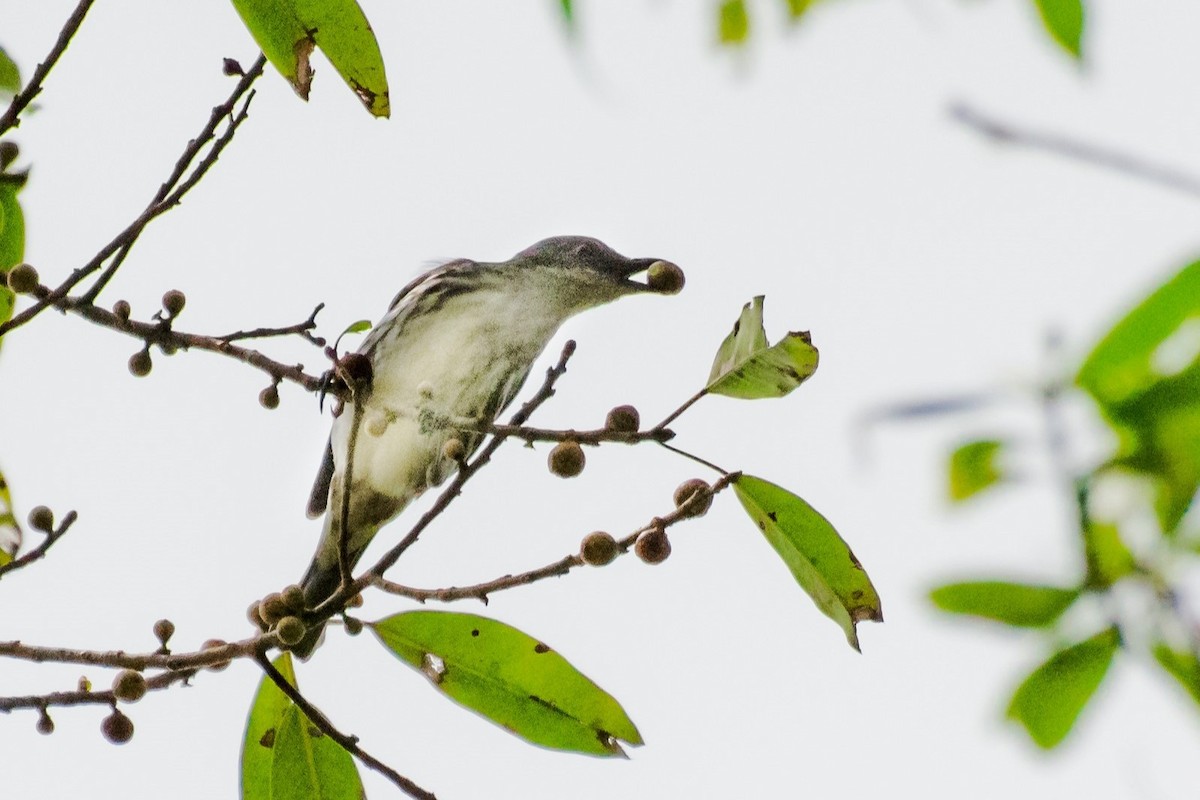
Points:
[(566, 460), (273, 609), (689, 488), (653, 546), (164, 629), (23, 279), (353, 625), (598, 548), (355, 602), (212, 644), (129, 686), (121, 310), (117, 728), (293, 597), (290, 630), (45, 725), (254, 614), (140, 363), (268, 398), (665, 278), (454, 450), (41, 519), (623, 419), (173, 302), (356, 369)]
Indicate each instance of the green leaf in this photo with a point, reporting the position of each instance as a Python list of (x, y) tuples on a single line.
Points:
[(1017, 604), (746, 367), (12, 225), (510, 678), (1049, 701), (1182, 665), (262, 732), (973, 468), (797, 8), (357, 327), (287, 31), (733, 23), (819, 559), (1063, 20), (10, 76), (10, 529), (567, 9), (1108, 559), (308, 765)]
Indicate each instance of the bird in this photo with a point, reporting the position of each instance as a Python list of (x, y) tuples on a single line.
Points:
[(453, 350)]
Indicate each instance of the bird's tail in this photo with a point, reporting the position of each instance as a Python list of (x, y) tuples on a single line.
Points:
[(321, 582)]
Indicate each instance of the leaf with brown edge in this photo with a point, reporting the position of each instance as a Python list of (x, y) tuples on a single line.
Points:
[(748, 367)]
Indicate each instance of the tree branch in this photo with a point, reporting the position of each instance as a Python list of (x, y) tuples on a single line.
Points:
[(348, 743), (81, 698), (39, 551), (209, 657), (11, 118), (1000, 131)]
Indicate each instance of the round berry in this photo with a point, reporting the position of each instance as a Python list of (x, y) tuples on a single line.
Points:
[(454, 449), (117, 728), (268, 398), (566, 460), (140, 363), (665, 278), (623, 419), (598, 548), (653, 546), (164, 629), (41, 519), (173, 302), (121, 310), (45, 725), (293, 597), (129, 686), (290, 630), (23, 279), (353, 625), (273, 608), (690, 488)]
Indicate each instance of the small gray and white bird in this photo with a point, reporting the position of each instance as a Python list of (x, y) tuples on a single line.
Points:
[(453, 350)]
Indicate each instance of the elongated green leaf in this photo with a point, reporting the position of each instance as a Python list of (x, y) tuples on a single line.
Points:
[(973, 468), (509, 678), (1181, 665), (1108, 559), (262, 732), (10, 76), (1019, 604), (733, 22), (819, 559), (12, 238), (1064, 22), (1051, 699), (10, 529), (747, 367), (308, 765), (798, 8), (287, 31)]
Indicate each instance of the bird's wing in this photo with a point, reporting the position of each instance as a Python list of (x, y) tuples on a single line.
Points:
[(319, 499)]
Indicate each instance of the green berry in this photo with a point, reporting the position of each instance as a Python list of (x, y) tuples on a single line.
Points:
[(566, 460), (623, 419), (653, 546), (290, 630), (686, 490), (129, 686), (23, 279), (41, 519), (598, 548), (665, 278), (140, 363), (117, 728), (173, 302)]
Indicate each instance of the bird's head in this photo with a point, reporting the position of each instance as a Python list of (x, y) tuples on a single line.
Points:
[(591, 272)]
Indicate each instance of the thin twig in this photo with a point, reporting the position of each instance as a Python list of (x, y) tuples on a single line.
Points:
[(1001, 131), (582, 437), (694, 457), (348, 743), (303, 329), (168, 196), (39, 551), (11, 118), (246, 648), (83, 698), (682, 408), (481, 591)]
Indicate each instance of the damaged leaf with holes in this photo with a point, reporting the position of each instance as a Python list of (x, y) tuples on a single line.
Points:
[(818, 558), (288, 30), (1145, 377), (284, 757), (1050, 700), (511, 679), (1018, 604), (747, 366)]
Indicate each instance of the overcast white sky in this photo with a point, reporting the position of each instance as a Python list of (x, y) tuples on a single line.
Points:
[(819, 168)]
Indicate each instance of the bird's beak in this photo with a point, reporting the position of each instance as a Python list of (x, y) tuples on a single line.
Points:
[(662, 277)]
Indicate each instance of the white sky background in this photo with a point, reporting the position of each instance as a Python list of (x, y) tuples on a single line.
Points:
[(819, 168)]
